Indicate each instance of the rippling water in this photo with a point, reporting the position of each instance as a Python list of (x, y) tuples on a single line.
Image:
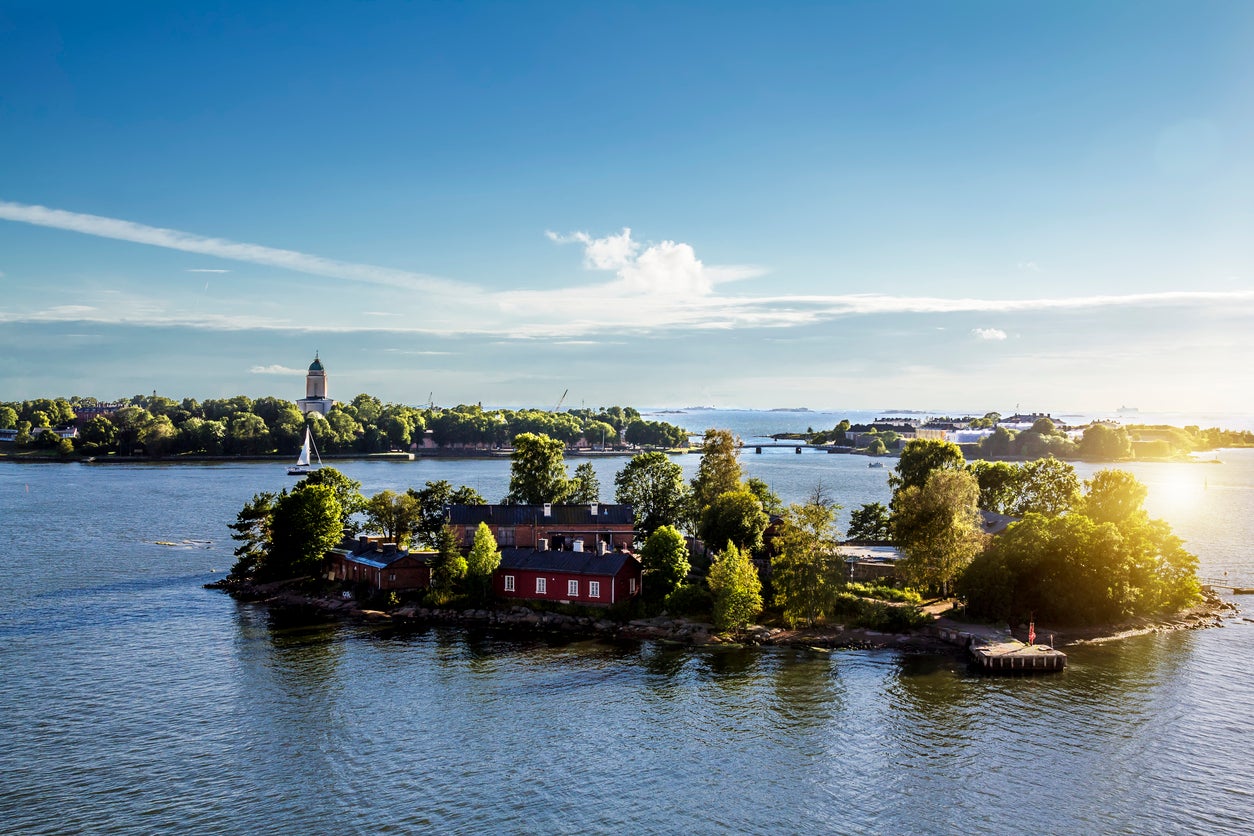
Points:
[(134, 701)]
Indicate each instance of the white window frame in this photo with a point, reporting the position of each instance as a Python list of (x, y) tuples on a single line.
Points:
[(509, 583), (542, 586), (594, 589), (572, 589)]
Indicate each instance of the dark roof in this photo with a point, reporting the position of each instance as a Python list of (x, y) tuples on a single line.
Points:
[(378, 555), (569, 563), (560, 515)]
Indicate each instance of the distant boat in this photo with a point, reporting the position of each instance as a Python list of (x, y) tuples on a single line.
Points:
[(1127, 410), (301, 468), (875, 464)]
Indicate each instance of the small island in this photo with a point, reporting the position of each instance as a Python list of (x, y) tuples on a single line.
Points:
[(965, 552)]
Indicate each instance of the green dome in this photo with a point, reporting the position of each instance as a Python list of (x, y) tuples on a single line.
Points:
[(316, 365)]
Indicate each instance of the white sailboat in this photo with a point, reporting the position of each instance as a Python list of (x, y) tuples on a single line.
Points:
[(301, 467)]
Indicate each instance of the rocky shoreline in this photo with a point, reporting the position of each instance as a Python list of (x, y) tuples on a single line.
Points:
[(932, 638)]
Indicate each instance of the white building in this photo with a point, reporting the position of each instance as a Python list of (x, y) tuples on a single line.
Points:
[(315, 399)]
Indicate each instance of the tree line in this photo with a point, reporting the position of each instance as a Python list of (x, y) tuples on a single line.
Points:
[(158, 426)]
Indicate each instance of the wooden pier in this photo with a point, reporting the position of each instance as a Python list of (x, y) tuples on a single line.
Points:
[(1016, 657), (995, 650)]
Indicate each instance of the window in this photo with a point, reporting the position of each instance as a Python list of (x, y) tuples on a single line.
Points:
[(631, 586), (594, 589), (505, 537), (509, 583), (572, 589), (542, 586)]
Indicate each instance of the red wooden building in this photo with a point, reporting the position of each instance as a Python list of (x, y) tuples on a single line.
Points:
[(381, 565), (595, 527), (575, 577)]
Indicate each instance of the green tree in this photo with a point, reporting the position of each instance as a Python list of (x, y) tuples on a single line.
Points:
[(448, 567), (251, 530), (303, 526), (736, 517), (937, 527), (654, 487), (434, 500), (1113, 496), (585, 487), (919, 459), (1045, 486), (999, 485), (482, 561), (247, 434), (1103, 443), (719, 471), (158, 437), (871, 523), (665, 560), (395, 516), (1071, 569), (8, 418), (808, 571), (347, 491), (537, 474), (771, 503), (736, 587)]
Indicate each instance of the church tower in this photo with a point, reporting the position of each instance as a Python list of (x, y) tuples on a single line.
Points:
[(316, 399)]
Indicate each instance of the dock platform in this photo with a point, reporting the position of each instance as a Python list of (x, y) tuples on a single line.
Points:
[(1015, 656)]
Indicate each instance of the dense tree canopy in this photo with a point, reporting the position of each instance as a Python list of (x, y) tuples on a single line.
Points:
[(538, 471), (665, 560), (585, 487), (304, 524), (736, 517), (654, 487), (719, 471), (482, 560), (394, 515), (736, 587), (433, 499), (937, 526), (871, 523), (920, 458), (808, 571)]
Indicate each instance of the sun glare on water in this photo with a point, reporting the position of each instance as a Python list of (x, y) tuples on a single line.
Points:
[(1179, 493)]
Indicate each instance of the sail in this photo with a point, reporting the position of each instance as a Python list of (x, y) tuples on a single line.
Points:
[(303, 459)]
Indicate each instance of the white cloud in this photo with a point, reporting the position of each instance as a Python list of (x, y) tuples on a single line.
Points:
[(276, 369), (988, 333), (1030, 267), (667, 268), (69, 311), (654, 287), (221, 248), (205, 270)]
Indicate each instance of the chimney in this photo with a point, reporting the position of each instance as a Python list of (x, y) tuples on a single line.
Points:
[(548, 509), (543, 544), (577, 545), (605, 547)]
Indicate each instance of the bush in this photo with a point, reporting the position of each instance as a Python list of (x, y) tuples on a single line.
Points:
[(690, 600), (885, 593)]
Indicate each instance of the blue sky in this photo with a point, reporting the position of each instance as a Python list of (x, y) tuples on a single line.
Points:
[(930, 205)]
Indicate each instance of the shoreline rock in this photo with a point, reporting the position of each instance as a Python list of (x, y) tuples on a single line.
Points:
[(286, 595)]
